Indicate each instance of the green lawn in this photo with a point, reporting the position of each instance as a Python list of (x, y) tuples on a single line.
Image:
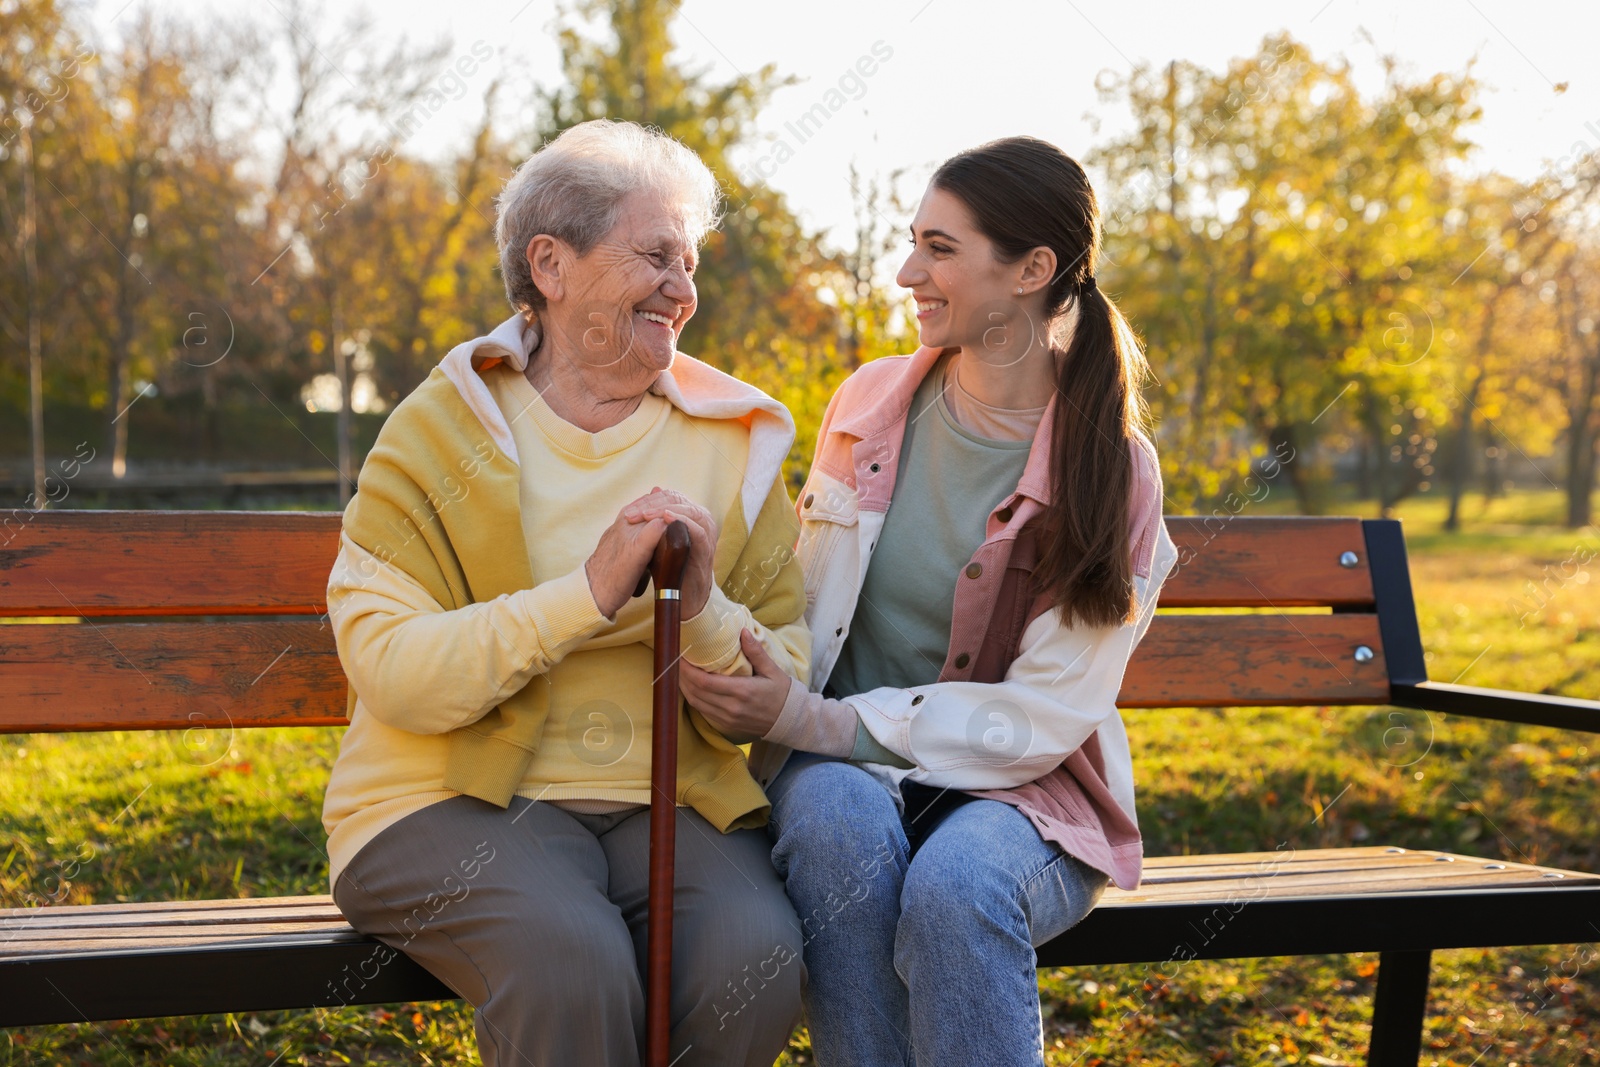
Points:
[(157, 816)]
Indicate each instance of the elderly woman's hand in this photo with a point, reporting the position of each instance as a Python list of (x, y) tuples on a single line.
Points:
[(665, 505), (743, 708), (620, 558)]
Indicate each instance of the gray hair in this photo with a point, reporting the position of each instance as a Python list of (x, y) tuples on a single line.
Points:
[(574, 186)]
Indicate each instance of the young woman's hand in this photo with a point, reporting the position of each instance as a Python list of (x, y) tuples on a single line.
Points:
[(742, 708), (666, 505)]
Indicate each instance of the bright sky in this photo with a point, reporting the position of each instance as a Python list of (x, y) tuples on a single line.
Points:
[(960, 72)]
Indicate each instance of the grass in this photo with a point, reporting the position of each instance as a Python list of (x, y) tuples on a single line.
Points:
[(131, 816)]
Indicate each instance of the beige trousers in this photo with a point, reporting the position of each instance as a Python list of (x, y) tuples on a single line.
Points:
[(537, 917)]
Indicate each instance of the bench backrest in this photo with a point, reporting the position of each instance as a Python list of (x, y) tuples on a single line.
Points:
[(178, 620)]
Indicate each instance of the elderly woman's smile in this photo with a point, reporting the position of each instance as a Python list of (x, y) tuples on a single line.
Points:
[(631, 296), (612, 314)]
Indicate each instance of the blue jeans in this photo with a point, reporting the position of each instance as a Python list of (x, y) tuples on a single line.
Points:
[(919, 929)]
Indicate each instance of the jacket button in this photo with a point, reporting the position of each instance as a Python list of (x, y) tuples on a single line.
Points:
[(1004, 514), (839, 631), (874, 468), (806, 503), (916, 700), (962, 661), (974, 569)]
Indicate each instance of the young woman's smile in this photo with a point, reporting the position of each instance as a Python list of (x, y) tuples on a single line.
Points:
[(967, 296)]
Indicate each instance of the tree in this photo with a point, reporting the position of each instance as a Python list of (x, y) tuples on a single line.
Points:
[(354, 106), (1279, 237), (38, 62), (875, 322), (753, 275), (1577, 371)]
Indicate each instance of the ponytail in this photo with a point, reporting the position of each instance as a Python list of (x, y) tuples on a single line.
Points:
[(1086, 562), (1025, 193)]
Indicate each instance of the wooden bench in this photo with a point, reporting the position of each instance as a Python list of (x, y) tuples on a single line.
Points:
[(210, 620)]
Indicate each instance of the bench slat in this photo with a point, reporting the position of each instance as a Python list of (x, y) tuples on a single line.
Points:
[(169, 676), (241, 562), (39, 938), (117, 940), (165, 562), (1260, 561), (1285, 883), (1353, 854), (174, 907), (1171, 880), (241, 674), (44, 942), (1360, 857), (103, 918), (1245, 660)]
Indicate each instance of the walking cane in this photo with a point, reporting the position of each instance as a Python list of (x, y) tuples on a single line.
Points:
[(666, 570)]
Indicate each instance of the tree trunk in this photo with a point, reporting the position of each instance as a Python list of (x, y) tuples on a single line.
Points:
[(1582, 436), (1202, 371), (122, 341), (117, 430), (210, 435), (1461, 458), (30, 270), (1373, 447), (1461, 462), (1493, 466), (1284, 443), (1580, 485), (1363, 468), (341, 363)]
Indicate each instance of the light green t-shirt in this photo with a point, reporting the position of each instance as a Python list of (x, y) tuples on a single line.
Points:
[(947, 483)]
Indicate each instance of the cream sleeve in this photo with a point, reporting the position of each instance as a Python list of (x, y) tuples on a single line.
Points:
[(419, 667), (711, 639)]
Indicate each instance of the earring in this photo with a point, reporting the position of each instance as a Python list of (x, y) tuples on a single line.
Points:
[(1019, 289)]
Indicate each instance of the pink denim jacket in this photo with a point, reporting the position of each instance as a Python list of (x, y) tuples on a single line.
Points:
[(1024, 710)]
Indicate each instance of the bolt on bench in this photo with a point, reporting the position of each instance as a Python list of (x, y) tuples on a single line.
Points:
[(228, 636)]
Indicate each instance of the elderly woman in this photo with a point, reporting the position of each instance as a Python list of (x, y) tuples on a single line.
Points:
[(488, 812)]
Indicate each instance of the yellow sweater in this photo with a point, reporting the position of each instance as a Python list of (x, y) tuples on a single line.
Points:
[(425, 673)]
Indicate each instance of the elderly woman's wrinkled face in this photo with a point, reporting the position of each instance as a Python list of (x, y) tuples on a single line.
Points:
[(632, 294)]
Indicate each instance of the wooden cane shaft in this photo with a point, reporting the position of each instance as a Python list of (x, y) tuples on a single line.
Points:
[(667, 572), (663, 838)]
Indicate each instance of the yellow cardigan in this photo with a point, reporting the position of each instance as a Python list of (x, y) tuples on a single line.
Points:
[(439, 500)]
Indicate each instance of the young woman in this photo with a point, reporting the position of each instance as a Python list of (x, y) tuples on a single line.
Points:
[(983, 548)]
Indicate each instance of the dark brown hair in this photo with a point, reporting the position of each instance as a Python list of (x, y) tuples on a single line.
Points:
[(1024, 193)]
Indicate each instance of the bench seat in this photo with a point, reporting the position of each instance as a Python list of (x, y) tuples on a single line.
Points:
[(118, 961), (1324, 901)]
